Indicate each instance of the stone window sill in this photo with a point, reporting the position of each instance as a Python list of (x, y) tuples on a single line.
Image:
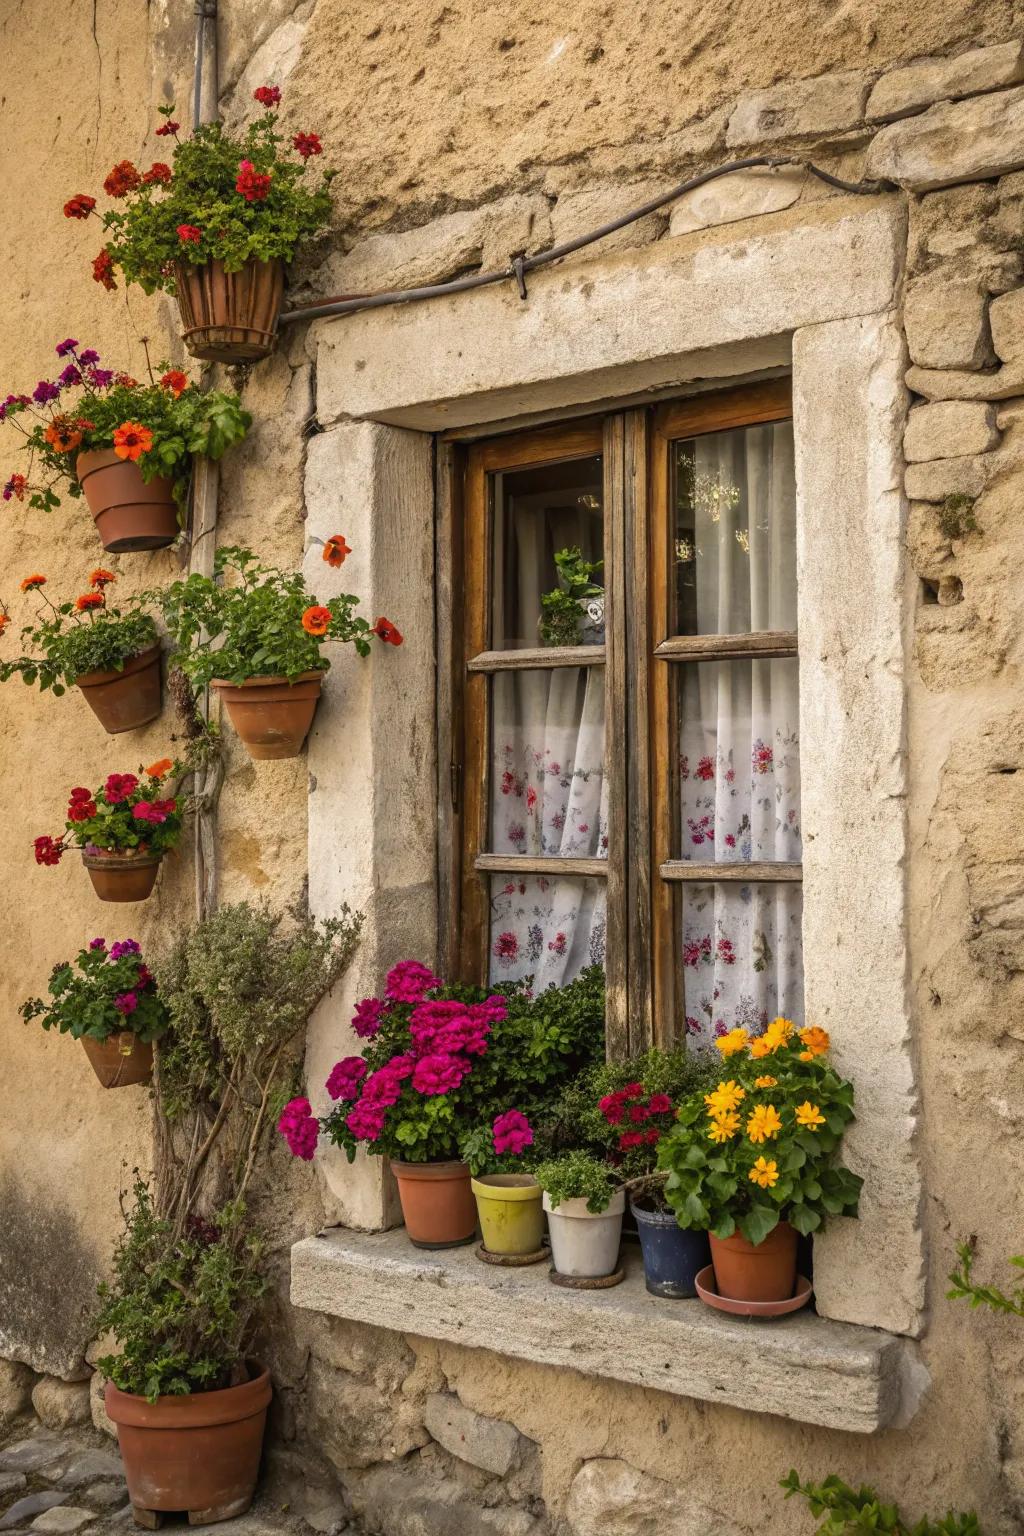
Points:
[(803, 1367)]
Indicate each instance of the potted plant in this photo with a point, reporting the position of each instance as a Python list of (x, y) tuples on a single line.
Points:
[(217, 227), (127, 447), (508, 1200), (755, 1161), (111, 654), (573, 613), (584, 1203), (256, 635), (124, 828), (189, 1405), (108, 999), (442, 1061)]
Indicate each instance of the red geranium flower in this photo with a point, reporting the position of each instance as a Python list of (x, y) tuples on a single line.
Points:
[(158, 174), (167, 129), (16, 487), (267, 95), (252, 184), (31, 582), (79, 207), (188, 234), (176, 381), (81, 809), (316, 620), (89, 600), (336, 550), (659, 1104), (388, 632), (308, 144), (47, 850), (123, 178), (103, 269), (101, 578)]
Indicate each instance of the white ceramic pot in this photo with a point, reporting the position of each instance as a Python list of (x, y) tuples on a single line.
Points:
[(583, 1243)]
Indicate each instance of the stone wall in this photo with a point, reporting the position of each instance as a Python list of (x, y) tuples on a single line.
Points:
[(463, 133)]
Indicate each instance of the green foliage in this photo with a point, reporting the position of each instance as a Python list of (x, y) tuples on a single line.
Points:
[(112, 820), (577, 1176), (64, 644), (721, 1177), (956, 516), (847, 1511), (251, 626), (561, 609), (142, 236), (82, 994), (183, 1304), (964, 1286)]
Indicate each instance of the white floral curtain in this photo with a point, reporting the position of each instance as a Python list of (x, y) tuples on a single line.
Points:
[(739, 765)]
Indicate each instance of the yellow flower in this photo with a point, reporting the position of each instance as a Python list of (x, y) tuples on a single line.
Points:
[(723, 1127), (766, 1174), (726, 1096), (764, 1123), (815, 1040), (762, 1046), (779, 1031), (734, 1041), (765, 1082), (809, 1116)]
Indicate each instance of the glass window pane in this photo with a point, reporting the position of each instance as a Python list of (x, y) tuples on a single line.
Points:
[(742, 957), (734, 495), (548, 789), (545, 927), (739, 761), (538, 513)]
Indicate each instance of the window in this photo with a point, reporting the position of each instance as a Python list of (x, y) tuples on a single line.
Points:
[(626, 791)]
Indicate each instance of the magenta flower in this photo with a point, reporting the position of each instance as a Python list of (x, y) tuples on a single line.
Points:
[(366, 1121), (100, 378), (512, 1133), (368, 1017), (300, 1128), (69, 375), (63, 348), (437, 1074), (125, 947), (90, 355), (126, 1002), (409, 982), (346, 1075), (97, 943), (118, 787), (45, 391)]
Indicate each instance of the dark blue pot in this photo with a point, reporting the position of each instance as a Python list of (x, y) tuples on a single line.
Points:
[(672, 1258)]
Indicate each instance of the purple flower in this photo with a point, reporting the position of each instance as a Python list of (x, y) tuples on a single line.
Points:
[(512, 1133), (366, 1121), (64, 347), (45, 391), (90, 355), (300, 1128), (438, 1074), (409, 982), (126, 1002), (367, 1019), (346, 1075), (97, 943), (125, 947), (100, 378), (69, 375)]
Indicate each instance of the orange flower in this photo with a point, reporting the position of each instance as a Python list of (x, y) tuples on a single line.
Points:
[(336, 550), (316, 620), (101, 578), (158, 769), (63, 435), (31, 582), (5, 619), (175, 381), (131, 441), (815, 1041), (89, 600)]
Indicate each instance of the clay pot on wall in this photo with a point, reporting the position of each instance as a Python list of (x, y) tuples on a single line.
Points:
[(510, 1212), (120, 876), (199, 1453), (129, 514), (437, 1203), (120, 1059), (672, 1257), (123, 700), (229, 317), (766, 1272), (270, 714), (585, 1244)]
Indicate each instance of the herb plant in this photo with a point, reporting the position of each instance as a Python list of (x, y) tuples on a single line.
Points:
[(70, 639), (847, 1511), (965, 1287), (224, 197), (562, 609), (762, 1147), (184, 1302), (157, 425), (577, 1176), (103, 992), (261, 622), (125, 815)]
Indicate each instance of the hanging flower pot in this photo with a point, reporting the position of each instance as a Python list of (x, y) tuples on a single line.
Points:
[(123, 828), (437, 1203), (510, 1212), (129, 514), (123, 700), (199, 1452), (120, 1059), (271, 715), (229, 317), (765, 1272), (672, 1257), (118, 876), (585, 1243)]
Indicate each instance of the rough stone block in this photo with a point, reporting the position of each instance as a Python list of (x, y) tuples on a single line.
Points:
[(952, 384), (63, 1520), (60, 1404), (105, 1495), (353, 1423), (577, 212), (410, 1499), (945, 322), (12, 1482), (15, 1389), (31, 1504), (824, 104), (947, 477), (40, 1450), (907, 90), (956, 141), (86, 1466), (98, 1408), (487, 1443), (948, 429), (741, 196), (1006, 317), (609, 1497)]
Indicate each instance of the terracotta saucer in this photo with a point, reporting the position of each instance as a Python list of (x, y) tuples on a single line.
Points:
[(709, 1296)]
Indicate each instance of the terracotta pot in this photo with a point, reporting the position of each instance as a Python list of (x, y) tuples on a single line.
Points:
[(229, 317), (437, 1203), (270, 714), (120, 1059), (199, 1453), (764, 1273), (129, 514), (124, 700), (121, 876)]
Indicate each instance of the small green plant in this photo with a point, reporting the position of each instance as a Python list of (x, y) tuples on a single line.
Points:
[(183, 1303), (577, 1176), (104, 992), (965, 1287), (847, 1511), (956, 516), (561, 610), (70, 639)]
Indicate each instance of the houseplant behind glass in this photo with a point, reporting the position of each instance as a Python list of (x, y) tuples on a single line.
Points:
[(108, 999), (124, 828), (111, 654), (573, 612)]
